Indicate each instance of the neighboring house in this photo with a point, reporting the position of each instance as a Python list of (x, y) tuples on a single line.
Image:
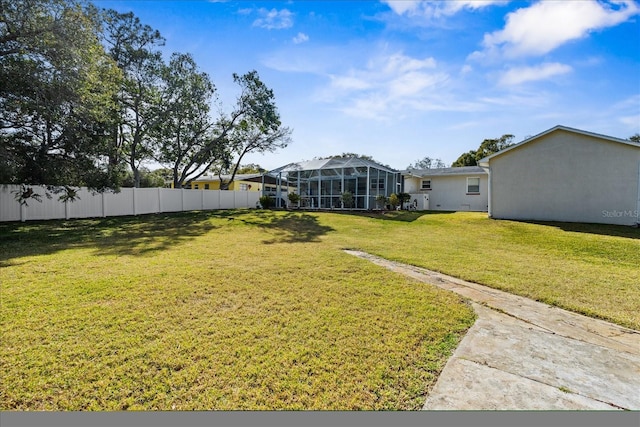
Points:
[(241, 182), (566, 174), (449, 189), (321, 183)]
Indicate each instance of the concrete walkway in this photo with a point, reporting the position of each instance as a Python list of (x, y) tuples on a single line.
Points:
[(524, 355)]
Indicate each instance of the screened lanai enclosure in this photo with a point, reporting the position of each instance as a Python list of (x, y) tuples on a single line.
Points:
[(321, 183)]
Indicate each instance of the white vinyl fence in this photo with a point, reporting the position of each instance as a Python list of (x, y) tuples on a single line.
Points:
[(129, 201)]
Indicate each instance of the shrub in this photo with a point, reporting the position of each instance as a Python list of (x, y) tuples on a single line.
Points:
[(294, 198), (347, 199), (266, 202), (394, 200)]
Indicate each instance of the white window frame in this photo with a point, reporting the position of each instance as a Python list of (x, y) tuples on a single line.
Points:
[(244, 187), (469, 185), (425, 187)]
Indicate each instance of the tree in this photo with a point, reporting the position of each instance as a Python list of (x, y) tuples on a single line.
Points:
[(254, 126), (184, 134), (486, 148), (56, 96), (148, 179), (635, 138), (349, 155), (250, 168), (465, 159), (427, 163), (491, 146), (134, 48)]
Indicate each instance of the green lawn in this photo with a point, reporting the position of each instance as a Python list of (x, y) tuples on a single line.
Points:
[(263, 310), (587, 268), (203, 311)]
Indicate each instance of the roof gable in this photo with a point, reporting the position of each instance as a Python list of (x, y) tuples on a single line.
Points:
[(485, 161)]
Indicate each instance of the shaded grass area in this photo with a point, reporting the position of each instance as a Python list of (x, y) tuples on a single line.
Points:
[(223, 310), (591, 269)]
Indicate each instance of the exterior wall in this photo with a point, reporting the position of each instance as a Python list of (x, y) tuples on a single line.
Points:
[(449, 192), (569, 177), (235, 185), (213, 185)]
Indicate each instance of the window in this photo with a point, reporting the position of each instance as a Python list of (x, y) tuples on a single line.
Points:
[(426, 184), (377, 184), (473, 185), (206, 186), (244, 187), (195, 186)]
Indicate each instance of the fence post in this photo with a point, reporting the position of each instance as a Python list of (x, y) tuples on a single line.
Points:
[(159, 199), (202, 199), (104, 209), (182, 199), (23, 212), (66, 209), (134, 200)]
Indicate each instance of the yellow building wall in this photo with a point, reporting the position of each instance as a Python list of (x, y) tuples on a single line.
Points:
[(235, 185)]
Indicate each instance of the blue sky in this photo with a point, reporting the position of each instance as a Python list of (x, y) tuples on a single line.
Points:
[(401, 80)]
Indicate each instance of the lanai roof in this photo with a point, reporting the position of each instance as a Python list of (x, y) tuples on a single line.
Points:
[(331, 163)]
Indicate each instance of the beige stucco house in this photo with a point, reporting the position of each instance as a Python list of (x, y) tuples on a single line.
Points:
[(565, 174), (447, 189)]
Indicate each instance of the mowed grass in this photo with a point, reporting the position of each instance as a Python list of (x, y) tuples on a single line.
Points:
[(587, 268), (263, 310), (244, 310)]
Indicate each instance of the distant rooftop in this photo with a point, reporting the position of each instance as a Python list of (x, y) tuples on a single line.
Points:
[(238, 177), (464, 170)]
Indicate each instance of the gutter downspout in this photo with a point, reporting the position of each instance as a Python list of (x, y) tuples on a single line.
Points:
[(487, 168)]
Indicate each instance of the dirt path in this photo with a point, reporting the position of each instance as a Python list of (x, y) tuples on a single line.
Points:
[(524, 355)]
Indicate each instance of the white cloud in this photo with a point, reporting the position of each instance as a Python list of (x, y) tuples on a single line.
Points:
[(436, 9), (274, 19), (402, 6), (627, 113), (466, 69), (349, 83), (519, 75), (544, 26), (391, 86), (300, 38)]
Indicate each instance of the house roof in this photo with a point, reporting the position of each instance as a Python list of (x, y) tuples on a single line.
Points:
[(485, 161), (465, 170), (331, 163), (238, 177)]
